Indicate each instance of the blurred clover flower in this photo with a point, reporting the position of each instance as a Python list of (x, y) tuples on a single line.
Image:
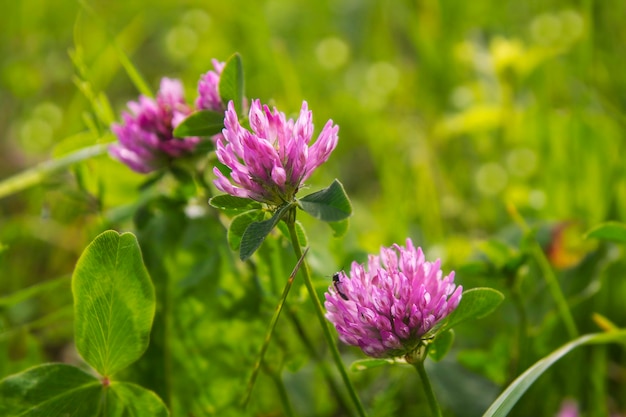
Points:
[(389, 309), (569, 408), (146, 141), (208, 89), (270, 161)]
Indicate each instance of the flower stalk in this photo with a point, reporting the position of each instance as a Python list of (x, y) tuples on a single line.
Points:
[(319, 311), (418, 363)]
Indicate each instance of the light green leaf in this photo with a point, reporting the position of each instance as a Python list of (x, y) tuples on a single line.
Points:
[(340, 228), (441, 346), (230, 202), (239, 225), (303, 239), (126, 399), (330, 204), (200, 123), (231, 82), (50, 390), (505, 402), (609, 231), (256, 233), (114, 303), (475, 304), (365, 364)]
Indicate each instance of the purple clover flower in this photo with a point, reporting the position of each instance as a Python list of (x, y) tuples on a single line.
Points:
[(569, 408), (270, 162), (146, 140), (208, 89), (387, 309)]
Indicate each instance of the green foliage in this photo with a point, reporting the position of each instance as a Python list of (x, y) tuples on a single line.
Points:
[(505, 402), (330, 204), (256, 232), (114, 306), (489, 132), (114, 303), (200, 123), (57, 390), (609, 231), (231, 85), (51, 390), (475, 303)]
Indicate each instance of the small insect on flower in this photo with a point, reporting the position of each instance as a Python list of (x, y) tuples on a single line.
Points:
[(337, 284)]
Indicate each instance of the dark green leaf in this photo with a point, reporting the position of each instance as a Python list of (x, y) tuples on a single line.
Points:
[(50, 390), (475, 303), (505, 402), (229, 202), (239, 225), (231, 82), (441, 346), (330, 204), (200, 123), (609, 231), (60, 390), (114, 303), (256, 233)]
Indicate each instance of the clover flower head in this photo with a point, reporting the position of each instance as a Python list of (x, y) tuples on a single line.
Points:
[(270, 162), (208, 91), (569, 408), (146, 140), (388, 308)]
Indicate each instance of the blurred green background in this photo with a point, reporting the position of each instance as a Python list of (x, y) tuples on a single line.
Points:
[(453, 116)]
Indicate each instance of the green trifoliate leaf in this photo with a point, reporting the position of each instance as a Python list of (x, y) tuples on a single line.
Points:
[(609, 231), (330, 204), (505, 402), (60, 390), (256, 233), (114, 303), (232, 203), (231, 82), (239, 225), (51, 390), (200, 123), (475, 304), (441, 346)]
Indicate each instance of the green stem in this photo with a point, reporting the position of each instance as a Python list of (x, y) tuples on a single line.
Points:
[(549, 276), (323, 366), (555, 290), (282, 391), (518, 362), (270, 329), (37, 174), (319, 311), (428, 389)]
